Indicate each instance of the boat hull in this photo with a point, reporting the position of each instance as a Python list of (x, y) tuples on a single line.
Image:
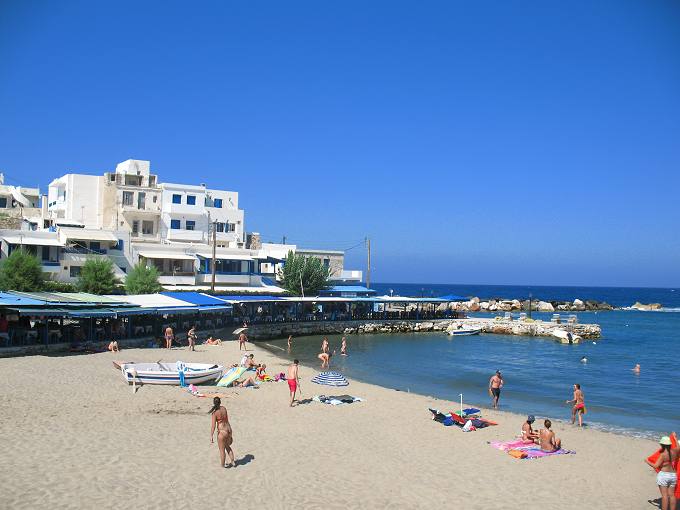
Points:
[(165, 373), (464, 332)]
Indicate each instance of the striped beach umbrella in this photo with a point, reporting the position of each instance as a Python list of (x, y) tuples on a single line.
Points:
[(330, 379)]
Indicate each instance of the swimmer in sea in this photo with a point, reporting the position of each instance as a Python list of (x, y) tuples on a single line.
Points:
[(636, 368), (343, 347)]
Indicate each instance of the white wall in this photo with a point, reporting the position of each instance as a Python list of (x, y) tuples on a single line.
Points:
[(83, 198)]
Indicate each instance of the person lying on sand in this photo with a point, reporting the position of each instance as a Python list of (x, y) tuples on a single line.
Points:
[(528, 433), (213, 341), (549, 443), (244, 384), (113, 346)]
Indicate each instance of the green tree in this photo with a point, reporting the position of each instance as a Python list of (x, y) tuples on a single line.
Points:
[(142, 280), (304, 273), (97, 277), (21, 271)]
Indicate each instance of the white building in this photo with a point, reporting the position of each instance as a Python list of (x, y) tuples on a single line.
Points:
[(189, 213), (130, 217)]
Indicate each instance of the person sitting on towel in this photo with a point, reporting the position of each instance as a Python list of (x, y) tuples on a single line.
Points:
[(260, 371), (528, 433), (549, 443)]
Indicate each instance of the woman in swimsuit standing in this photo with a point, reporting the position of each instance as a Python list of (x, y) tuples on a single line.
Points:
[(220, 420), (667, 478)]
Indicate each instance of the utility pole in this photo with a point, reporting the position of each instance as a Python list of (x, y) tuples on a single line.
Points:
[(214, 249), (368, 268), (284, 240)]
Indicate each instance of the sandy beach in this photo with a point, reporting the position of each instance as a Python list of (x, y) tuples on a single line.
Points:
[(75, 436)]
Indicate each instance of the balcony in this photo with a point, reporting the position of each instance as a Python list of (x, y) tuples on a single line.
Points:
[(85, 251), (51, 266), (176, 234), (148, 210), (177, 279)]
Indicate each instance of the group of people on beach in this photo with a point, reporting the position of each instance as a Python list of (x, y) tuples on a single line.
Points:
[(578, 400)]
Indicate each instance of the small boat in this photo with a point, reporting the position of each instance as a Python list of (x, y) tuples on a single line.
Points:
[(169, 373), (565, 336), (464, 332)]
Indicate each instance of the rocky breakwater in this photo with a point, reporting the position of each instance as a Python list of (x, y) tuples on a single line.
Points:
[(646, 308), (515, 305), (496, 326)]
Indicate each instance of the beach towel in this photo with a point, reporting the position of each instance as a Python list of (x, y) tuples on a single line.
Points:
[(231, 375), (531, 449), (337, 401)]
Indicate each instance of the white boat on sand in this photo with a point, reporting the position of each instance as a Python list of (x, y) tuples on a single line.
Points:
[(169, 373)]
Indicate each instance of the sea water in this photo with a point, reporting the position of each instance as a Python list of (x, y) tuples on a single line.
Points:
[(538, 372)]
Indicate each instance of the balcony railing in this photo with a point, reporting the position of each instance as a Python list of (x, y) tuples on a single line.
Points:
[(85, 251)]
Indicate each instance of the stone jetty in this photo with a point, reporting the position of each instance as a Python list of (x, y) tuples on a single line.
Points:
[(495, 326)]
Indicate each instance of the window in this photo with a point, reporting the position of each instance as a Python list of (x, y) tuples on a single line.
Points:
[(191, 199), (230, 227), (217, 203), (176, 199), (95, 246), (219, 227), (46, 253), (141, 200), (155, 197), (135, 227), (3, 202), (147, 227), (326, 263), (128, 197), (191, 224), (175, 225), (75, 271)]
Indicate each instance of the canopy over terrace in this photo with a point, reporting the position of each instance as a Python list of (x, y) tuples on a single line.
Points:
[(258, 309)]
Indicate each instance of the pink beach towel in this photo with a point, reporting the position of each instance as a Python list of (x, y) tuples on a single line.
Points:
[(532, 451)]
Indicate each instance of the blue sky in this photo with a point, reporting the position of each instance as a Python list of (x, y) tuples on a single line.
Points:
[(474, 142)]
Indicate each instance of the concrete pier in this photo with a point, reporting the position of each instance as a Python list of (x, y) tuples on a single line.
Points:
[(494, 326)]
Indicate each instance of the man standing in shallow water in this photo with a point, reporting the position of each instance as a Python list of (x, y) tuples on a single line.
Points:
[(495, 385), (579, 402)]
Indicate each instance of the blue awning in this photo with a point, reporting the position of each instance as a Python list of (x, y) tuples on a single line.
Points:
[(176, 310), (41, 312), (10, 299), (93, 313), (217, 309), (134, 311), (453, 297), (195, 298)]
